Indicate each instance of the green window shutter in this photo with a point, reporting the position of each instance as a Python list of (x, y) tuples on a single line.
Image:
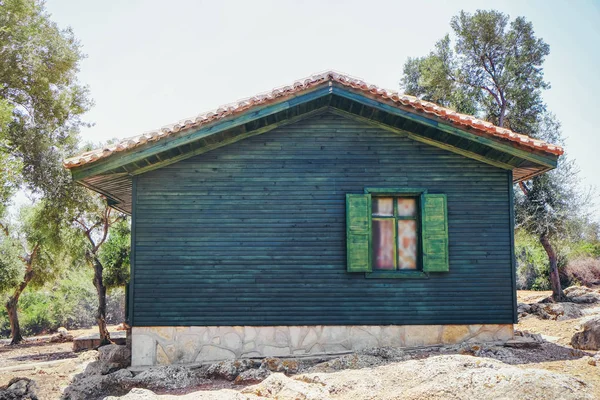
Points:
[(435, 233), (358, 232)]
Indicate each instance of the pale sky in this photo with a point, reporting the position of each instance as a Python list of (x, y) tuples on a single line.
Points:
[(152, 63)]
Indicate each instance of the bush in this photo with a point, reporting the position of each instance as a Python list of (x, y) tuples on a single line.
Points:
[(71, 302), (532, 263)]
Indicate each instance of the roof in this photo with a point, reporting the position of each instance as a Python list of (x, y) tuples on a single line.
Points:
[(475, 125), (110, 170)]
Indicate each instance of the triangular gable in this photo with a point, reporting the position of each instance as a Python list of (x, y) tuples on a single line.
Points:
[(109, 170)]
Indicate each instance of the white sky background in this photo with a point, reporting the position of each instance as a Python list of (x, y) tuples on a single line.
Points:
[(152, 63)]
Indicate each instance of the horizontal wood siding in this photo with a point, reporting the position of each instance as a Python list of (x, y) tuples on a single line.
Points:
[(254, 233)]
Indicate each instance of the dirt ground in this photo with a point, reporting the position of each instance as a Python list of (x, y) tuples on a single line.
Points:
[(560, 333), (53, 365)]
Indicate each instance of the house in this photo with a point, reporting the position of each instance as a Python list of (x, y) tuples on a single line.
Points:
[(325, 216)]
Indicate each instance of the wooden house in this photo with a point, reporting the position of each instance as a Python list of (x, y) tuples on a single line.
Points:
[(322, 217)]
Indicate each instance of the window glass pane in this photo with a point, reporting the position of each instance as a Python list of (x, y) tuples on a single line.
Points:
[(383, 244), (407, 207), (383, 206), (407, 244)]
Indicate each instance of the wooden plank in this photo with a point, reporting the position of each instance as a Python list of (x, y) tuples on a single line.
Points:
[(254, 233), (186, 138), (359, 97)]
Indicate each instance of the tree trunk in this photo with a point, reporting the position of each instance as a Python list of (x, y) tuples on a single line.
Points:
[(12, 307), (557, 293), (101, 312), (15, 328)]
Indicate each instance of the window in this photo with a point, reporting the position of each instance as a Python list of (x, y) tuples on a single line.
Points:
[(397, 233)]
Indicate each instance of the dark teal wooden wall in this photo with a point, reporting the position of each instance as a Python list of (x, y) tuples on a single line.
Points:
[(254, 233)]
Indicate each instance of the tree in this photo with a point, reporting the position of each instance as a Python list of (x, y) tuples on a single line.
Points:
[(106, 236), (492, 68), (41, 101), (31, 253)]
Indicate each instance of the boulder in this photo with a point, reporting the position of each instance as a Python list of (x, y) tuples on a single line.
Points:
[(62, 335), (252, 376), (440, 377), (170, 377), (589, 338), (19, 389), (88, 387), (229, 369), (582, 295), (522, 343), (278, 365), (556, 311), (114, 354), (523, 309)]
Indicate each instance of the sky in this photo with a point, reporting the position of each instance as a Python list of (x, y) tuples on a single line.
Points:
[(153, 63)]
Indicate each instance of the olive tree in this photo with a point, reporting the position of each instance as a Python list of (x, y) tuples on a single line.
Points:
[(491, 67)]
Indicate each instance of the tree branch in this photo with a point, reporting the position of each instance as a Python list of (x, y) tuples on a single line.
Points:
[(4, 229), (106, 222)]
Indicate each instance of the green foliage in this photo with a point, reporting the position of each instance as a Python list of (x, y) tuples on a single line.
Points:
[(114, 255), (41, 100), (70, 301), (577, 259), (490, 68), (532, 263), (11, 267)]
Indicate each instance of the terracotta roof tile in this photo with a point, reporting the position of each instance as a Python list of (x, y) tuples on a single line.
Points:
[(461, 120)]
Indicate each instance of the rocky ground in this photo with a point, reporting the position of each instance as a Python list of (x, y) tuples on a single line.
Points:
[(540, 364)]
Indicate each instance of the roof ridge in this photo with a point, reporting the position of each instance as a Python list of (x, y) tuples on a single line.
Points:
[(244, 104)]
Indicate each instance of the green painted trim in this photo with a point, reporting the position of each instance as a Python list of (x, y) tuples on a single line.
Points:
[(132, 254), (396, 191), (229, 141), (513, 258), (168, 143), (398, 274), (152, 149), (422, 139), (360, 98), (358, 236)]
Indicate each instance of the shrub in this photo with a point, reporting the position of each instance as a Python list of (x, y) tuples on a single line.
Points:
[(71, 302), (532, 263)]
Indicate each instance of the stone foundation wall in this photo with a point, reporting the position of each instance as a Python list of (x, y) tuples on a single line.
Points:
[(198, 344)]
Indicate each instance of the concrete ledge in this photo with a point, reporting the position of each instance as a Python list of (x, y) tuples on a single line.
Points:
[(92, 341), (199, 344)]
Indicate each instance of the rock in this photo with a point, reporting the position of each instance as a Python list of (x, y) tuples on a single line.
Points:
[(145, 394), (582, 295), (589, 338), (61, 336), (277, 365), (440, 377), (87, 387), (387, 353), (279, 386), (170, 377), (229, 369), (19, 389), (522, 343), (349, 361), (523, 309), (115, 354), (252, 376), (556, 311)]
